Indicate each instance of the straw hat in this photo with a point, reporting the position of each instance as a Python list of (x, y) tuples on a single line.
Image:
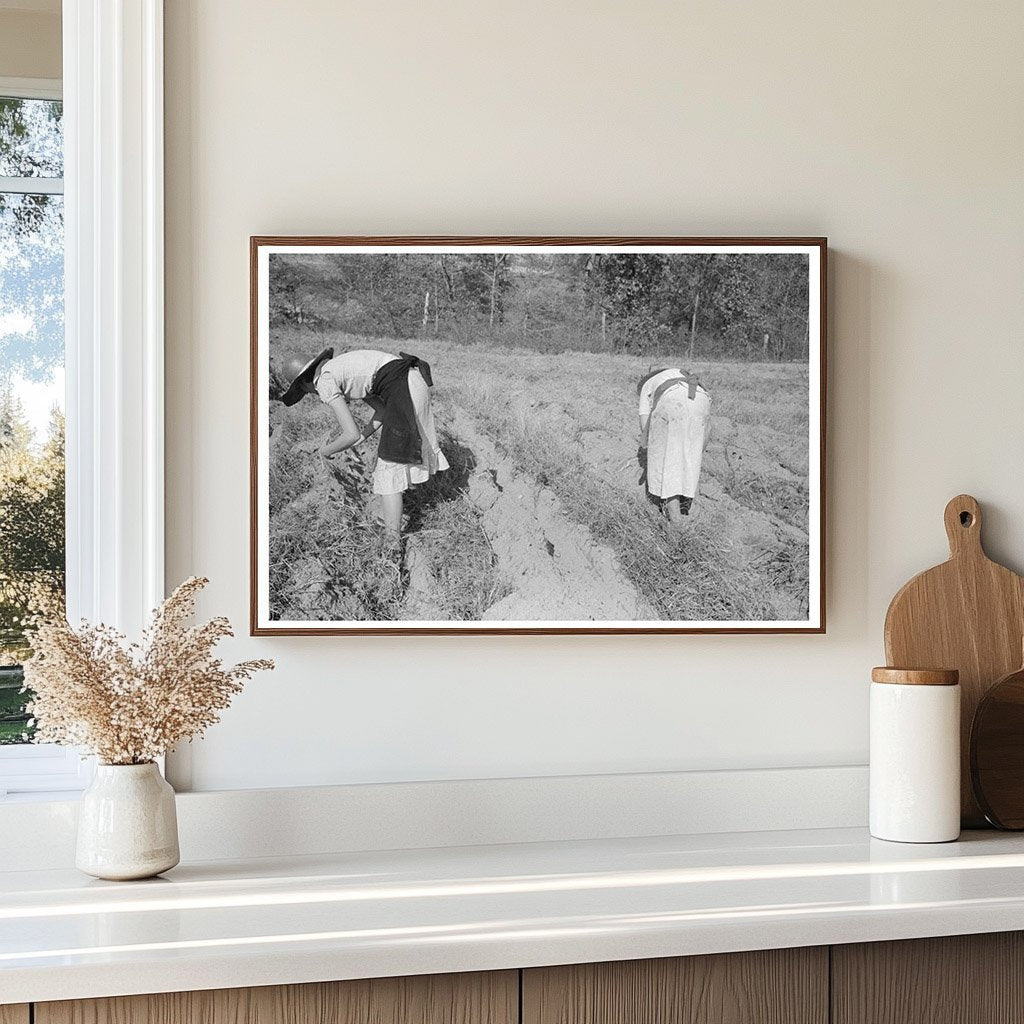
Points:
[(301, 374)]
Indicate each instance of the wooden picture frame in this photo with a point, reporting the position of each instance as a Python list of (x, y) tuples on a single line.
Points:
[(324, 293)]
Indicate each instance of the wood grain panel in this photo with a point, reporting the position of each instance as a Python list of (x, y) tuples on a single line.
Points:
[(778, 986), (483, 998), (962, 979), (14, 1014), (967, 614)]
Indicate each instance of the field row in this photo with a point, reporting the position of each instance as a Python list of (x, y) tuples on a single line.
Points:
[(541, 515)]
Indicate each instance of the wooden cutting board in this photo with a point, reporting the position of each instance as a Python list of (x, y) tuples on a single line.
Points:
[(967, 614)]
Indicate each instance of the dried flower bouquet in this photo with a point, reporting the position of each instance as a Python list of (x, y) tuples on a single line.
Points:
[(130, 703)]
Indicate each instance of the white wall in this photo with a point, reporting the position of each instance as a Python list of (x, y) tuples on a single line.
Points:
[(895, 129), (30, 41)]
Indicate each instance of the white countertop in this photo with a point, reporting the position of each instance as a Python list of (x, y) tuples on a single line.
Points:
[(352, 915)]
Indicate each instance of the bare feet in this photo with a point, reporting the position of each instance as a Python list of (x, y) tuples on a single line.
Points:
[(674, 512), (677, 509)]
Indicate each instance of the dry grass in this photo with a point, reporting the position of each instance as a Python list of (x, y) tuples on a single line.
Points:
[(127, 702), (543, 410), (327, 559), (326, 556), (686, 580), (780, 499), (463, 570)]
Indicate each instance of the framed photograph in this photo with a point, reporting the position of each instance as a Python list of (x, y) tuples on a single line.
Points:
[(537, 435)]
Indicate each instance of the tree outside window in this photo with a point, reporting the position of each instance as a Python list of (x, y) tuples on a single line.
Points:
[(32, 533)]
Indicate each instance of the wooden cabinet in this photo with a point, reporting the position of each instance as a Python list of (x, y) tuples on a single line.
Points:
[(962, 979), (778, 986), (491, 998), (968, 979)]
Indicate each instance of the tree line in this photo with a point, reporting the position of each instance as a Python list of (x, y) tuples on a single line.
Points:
[(749, 306), (32, 544)]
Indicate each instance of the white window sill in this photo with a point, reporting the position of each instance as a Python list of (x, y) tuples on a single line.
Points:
[(42, 797), (42, 771)]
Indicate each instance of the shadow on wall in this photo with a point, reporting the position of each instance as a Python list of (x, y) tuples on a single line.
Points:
[(854, 286)]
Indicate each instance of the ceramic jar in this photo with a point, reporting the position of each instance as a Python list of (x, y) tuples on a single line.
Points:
[(915, 755), (127, 824)]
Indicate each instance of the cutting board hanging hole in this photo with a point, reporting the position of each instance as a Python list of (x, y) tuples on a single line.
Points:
[(963, 526)]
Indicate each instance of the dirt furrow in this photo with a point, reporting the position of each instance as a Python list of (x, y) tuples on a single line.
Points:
[(745, 536), (613, 459), (553, 566)]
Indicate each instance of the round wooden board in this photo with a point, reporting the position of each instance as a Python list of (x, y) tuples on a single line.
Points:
[(997, 752)]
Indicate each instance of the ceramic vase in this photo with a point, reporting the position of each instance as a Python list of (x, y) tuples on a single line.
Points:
[(127, 825)]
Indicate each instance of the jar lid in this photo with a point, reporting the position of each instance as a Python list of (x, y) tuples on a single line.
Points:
[(916, 676)]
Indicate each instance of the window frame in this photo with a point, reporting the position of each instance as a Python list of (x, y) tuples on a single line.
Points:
[(112, 89), (32, 88)]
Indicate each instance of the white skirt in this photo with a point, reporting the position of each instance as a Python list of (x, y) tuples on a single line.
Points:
[(395, 477), (676, 436)]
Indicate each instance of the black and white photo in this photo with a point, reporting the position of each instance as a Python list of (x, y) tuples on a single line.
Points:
[(540, 435)]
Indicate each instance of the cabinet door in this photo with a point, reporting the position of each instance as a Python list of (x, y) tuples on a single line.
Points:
[(962, 979), (778, 986), (14, 1014), (490, 998)]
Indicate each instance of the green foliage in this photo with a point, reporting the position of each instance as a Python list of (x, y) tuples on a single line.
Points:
[(31, 549), (14, 720), (32, 543), (31, 476)]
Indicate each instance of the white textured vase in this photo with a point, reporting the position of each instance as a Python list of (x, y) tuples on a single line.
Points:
[(127, 824)]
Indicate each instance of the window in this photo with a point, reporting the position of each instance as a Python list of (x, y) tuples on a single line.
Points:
[(112, 212), (32, 531)]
